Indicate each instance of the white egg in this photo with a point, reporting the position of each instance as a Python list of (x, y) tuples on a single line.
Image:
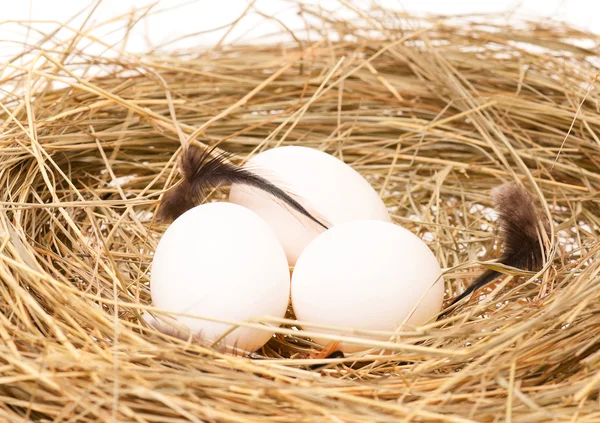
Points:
[(221, 261), (323, 184), (366, 275)]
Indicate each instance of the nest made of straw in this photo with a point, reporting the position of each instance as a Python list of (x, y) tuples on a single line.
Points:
[(434, 112)]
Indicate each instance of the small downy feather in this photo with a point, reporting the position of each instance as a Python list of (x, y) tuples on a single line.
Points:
[(201, 172), (519, 222)]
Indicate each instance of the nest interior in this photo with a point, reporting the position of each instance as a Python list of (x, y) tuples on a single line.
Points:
[(434, 112)]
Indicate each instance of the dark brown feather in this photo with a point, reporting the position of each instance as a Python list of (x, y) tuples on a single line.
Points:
[(519, 222), (201, 171), (334, 354)]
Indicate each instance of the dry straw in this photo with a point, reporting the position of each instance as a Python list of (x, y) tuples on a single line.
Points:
[(434, 112)]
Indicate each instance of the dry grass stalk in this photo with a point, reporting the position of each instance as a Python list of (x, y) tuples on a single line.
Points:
[(434, 117)]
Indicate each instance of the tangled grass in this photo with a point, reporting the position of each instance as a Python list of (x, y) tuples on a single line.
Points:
[(434, 112)]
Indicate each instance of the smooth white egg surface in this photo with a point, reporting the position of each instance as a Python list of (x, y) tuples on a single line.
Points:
[(366, 275), (222, 261), (326, 186)]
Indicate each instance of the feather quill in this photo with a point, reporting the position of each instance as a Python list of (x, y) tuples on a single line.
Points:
[(519, 222), (201, 171)]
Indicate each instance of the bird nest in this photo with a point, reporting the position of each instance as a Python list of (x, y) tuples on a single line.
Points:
[(434, 112)]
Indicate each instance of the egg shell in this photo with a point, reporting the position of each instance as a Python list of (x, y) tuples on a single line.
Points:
[(323, 184), (366, 275), (221, 261)]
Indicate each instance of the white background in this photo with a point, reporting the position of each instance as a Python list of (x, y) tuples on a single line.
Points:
[(183, 17)]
